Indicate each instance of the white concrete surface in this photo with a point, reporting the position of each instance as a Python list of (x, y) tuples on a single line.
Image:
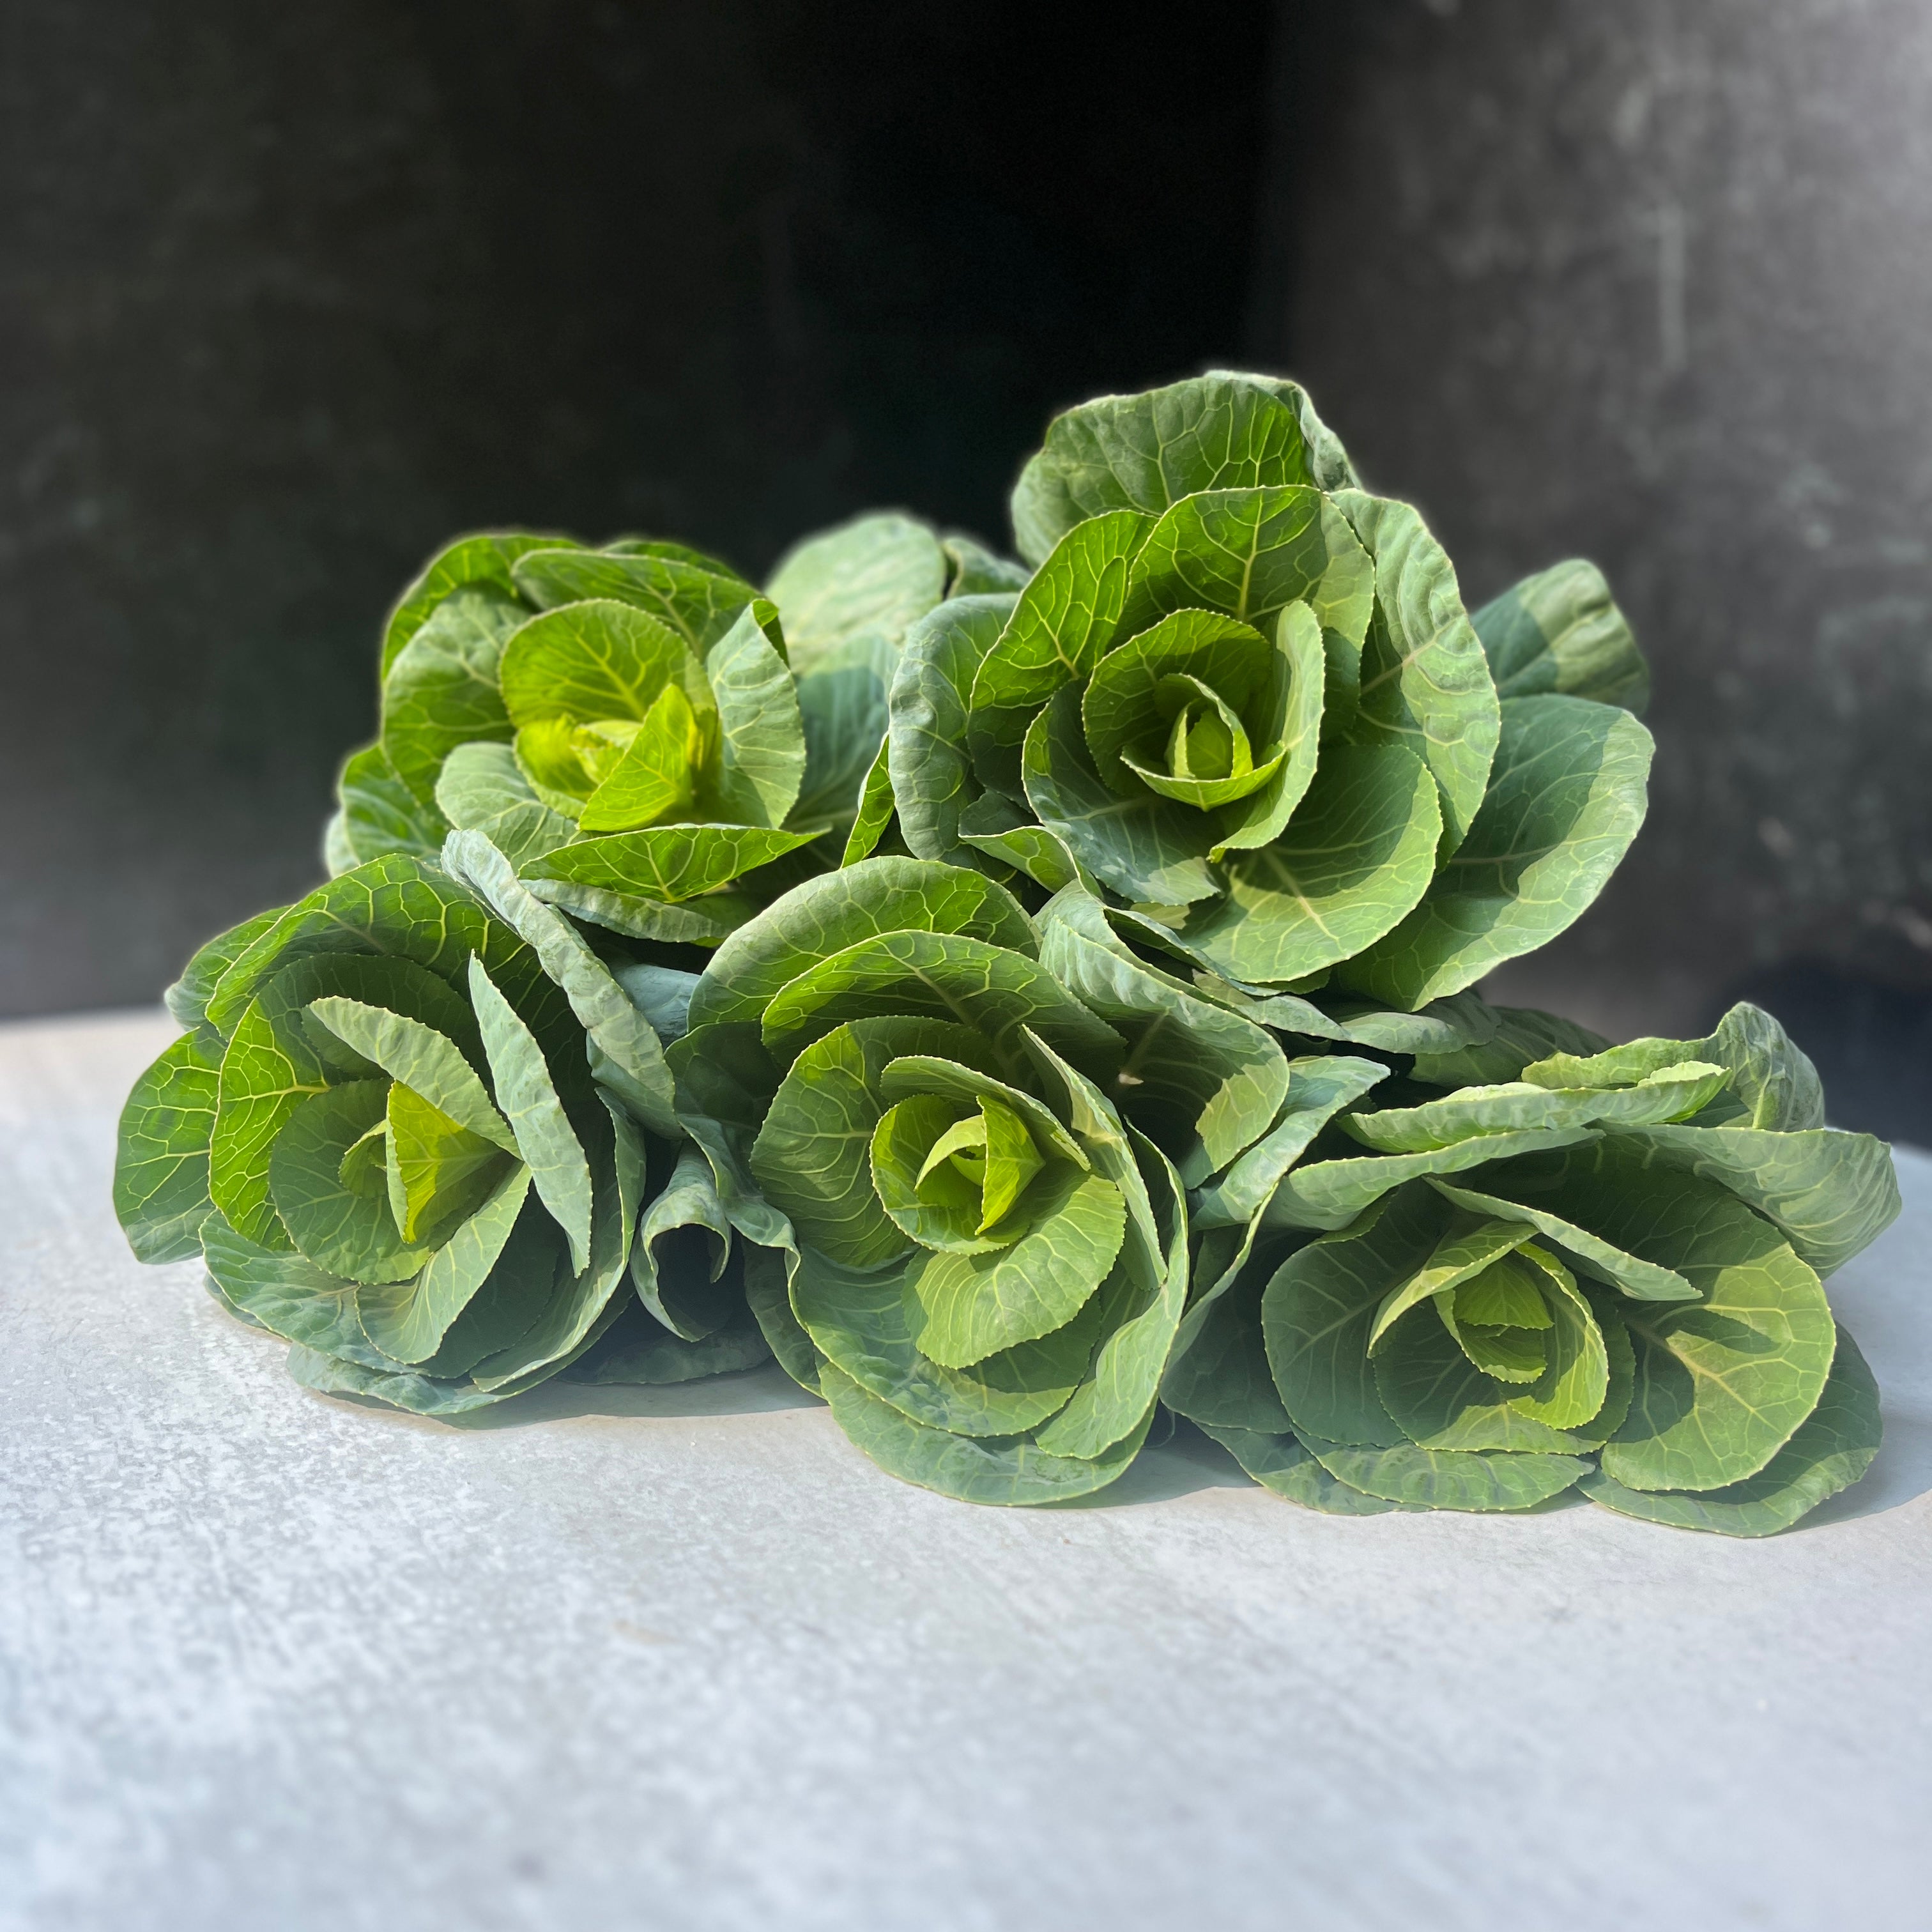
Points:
[(685, 1659)]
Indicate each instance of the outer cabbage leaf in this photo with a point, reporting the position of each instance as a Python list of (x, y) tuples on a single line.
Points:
[(488, 559), (1204, 1081), (824, 916), (874, 576), (443, 688), (1830, 1450), (1565, 799), (695, 596), (1421, 678), (1280, 1464), (1560, 631), (378, 813), (932, 776), (1143, 452), (160, 1179)]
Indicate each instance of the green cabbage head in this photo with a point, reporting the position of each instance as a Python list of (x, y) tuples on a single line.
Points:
[(413, 1135), (1602, 1271), (1244, 696), (968, 1252), (628, 724)]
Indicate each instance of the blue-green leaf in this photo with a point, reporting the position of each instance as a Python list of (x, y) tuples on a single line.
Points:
[(1319, 1311), (488, 558), (283, 1290), (1220, 431), (1424, 682), (998, 993), (1723, 1381), (1560, 631), (1590, 1254), (1212, 1081), (443, 690), (977, 1304), (1832, 1194), (1357, 856), (1566, 797), (335, 1205), (161, 1166), (1282, 1466), (825, 915), (876, 806), (667, 863), (379, 813), (626, 1054), (762, 742), (528, 1097), (876, 574), (1831, 1448), (420, 1058), (408, 1320), (482, 789), (681, 1260), (811, 1156), (932, 767), (1448, 1478), (976, 1469), (1249, 554), (973, 570), (1062, 622), (842, 705), (864, 1322)]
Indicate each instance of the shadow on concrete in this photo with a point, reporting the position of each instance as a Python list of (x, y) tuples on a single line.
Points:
[(765, 1389), (1186, 1461), (1900, 1473)]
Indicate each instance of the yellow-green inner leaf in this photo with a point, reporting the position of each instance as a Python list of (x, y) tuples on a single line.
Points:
[(1205, 739), (1498, 1317), (1502, 1296), (1510, 1354), (436, 1170), (657, 776), (958, 1154), (1207, 757), (361, 1171), (981, 1164), (600, 745), (547, 752), (1011, 1162)]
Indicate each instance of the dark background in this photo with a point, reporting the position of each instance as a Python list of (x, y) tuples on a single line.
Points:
[(289, 295)]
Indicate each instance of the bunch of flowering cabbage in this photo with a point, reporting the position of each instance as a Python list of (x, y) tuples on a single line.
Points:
[(1602, 1270), (965, 1249), (1244, 696), (638, 729), (410, 1127)]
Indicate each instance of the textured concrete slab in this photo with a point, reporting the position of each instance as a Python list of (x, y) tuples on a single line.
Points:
[(684, 1659)]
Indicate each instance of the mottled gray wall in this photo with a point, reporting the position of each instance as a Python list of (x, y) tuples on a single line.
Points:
[(1653, 282), (288, 294)]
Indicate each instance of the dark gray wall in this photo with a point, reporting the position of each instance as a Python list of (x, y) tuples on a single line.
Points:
[(1653, 282), (290, 294)]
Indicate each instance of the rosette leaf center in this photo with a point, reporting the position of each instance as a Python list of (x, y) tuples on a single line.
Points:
[(616, 726), (1206, 738), (1193, 710), (1500, 1320), (954, 1174)]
